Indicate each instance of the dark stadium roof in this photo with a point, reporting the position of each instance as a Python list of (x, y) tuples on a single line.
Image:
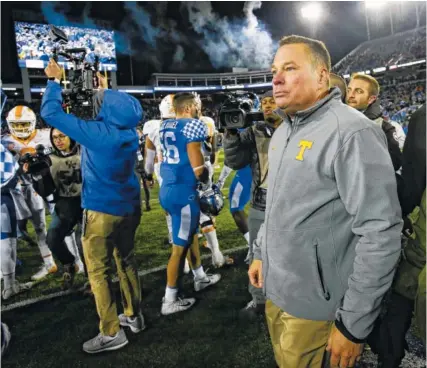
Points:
[(204, 37)]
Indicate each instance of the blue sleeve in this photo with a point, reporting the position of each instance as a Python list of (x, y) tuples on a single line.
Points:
[(195, 131), (91, 134)]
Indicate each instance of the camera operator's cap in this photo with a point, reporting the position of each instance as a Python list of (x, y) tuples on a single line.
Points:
[(267, 94), (166, 107)]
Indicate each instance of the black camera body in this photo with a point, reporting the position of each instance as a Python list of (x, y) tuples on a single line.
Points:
[(37, 162), (82, 77), (236, 112)]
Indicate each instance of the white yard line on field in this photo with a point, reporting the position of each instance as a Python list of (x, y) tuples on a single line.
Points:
[(58, 294)]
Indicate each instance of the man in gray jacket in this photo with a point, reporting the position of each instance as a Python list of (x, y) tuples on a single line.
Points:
[(250, 147), (327, 251)]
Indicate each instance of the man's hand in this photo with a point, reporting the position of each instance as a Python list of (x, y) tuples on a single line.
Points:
[(344, 353), (102, 81), (255, 274), (53, 70)]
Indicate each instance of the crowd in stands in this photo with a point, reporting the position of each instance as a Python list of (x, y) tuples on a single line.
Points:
[(392, 50), (400, 96), (401, 100), (33, 42)]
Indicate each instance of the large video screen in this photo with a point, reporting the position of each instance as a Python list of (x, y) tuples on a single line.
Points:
[(35, 47)]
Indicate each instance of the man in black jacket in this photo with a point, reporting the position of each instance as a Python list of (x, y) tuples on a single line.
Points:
[(362, 94), (250, 147), (409, 287)]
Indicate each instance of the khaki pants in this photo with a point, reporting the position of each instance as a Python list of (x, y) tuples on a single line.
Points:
[(104, 237), (297, 343)]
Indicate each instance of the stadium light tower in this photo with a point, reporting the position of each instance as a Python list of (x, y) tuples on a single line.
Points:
[(373, 5), (313, 13)]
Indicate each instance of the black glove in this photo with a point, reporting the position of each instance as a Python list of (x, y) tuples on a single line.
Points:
[(265, 128)]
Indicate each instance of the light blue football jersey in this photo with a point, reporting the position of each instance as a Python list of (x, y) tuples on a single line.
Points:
[(175, 134)]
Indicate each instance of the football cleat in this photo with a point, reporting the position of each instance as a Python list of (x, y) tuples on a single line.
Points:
[(16, 289), (208, 280), (251, 310), (79, 267), (219, 260), (179, 305), (44, 271)]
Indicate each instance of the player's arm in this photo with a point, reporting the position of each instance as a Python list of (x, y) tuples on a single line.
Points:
[(213, 142), (150, 155), (197, 161)]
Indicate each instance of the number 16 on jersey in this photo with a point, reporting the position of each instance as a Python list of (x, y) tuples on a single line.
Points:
[(170, 150)]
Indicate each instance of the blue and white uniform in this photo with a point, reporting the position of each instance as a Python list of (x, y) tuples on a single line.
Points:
[(240, 189), (8, 180), (178, 193)]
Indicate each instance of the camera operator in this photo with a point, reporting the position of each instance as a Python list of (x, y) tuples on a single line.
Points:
[(110, 199), (250, 147), (63, 181)]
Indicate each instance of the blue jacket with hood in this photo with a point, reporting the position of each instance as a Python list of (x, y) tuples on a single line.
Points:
[(109, 146)]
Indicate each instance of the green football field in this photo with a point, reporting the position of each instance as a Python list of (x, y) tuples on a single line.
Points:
[(50, 333)]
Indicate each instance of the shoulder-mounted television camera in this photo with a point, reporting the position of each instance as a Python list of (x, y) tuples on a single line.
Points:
[(82, 76), (238, 111), (39, 164), (38, 161)]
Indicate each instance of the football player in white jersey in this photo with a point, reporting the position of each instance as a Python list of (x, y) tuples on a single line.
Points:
[(23, 139), (207, 224), (153, 150)]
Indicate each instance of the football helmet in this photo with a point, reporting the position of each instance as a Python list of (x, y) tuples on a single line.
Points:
[(166, 108), (21, 121), (210, 124), (212, 201)]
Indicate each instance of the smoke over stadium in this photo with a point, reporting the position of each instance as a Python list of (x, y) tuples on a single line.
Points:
[(240, 41)]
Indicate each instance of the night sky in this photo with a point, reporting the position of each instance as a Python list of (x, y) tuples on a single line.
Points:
[(204, 37)]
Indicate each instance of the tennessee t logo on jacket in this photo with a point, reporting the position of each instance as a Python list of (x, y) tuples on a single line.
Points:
[(303, 145)]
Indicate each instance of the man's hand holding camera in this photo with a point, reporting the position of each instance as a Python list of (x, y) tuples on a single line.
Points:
[(53, 70), (102, 81)]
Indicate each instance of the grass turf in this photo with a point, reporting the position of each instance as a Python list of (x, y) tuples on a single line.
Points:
[(150, 250), (50, 334)]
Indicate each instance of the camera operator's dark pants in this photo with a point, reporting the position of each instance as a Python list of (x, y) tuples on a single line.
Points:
[(255, 220), (387, 339), (67, 214)]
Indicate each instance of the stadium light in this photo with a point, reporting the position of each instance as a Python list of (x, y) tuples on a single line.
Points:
[(372, 4), (312, 12)]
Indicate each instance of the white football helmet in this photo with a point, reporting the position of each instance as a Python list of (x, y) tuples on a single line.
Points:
[(21, 121), (166, 108), (210, 125)]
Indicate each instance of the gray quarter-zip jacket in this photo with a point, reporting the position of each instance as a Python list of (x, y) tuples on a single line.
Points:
[(331, 237)]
